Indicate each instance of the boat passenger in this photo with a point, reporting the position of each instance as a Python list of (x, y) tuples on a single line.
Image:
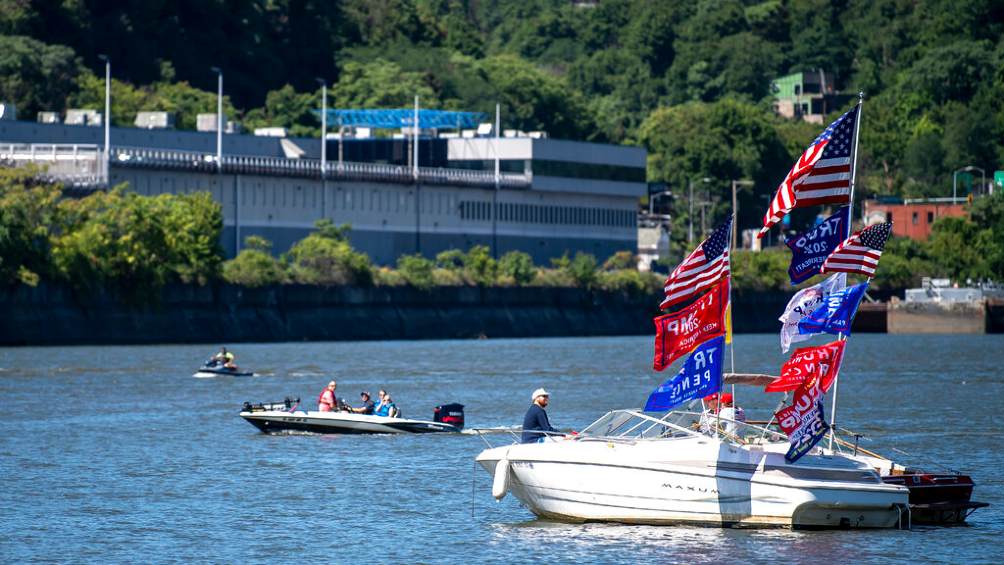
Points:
[(383, 407), (721, 409), (327, 401), (367, 407), (535, 423)]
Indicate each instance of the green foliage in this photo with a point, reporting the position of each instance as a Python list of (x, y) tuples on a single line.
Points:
[(380, 84), (27, 213), (326, 258), (450, 260), (518, 266), (622, 260), (479, 266), (137, 243), (416, 270), (582, 269), (289, 109), (254, 266), (763, 270), (35, 76), (630, 281)]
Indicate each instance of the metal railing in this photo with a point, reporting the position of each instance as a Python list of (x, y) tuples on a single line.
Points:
[(73, 165), (280, 166)]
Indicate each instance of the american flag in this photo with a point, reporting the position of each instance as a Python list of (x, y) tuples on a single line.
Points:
[(822, 175), (859, 253), (708, 264)]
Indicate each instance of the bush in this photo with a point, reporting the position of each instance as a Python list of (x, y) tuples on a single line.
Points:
[(136, 242), (630, 281), (326, 258), (447, 277), (555, 278), (518, 266), (582, 269), (452, 260), (763, 270), (479, 266), (385, 276), (27, 212), (254, 266), (621, 260), (416, 271)]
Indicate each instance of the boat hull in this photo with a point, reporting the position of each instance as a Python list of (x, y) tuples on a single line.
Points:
[(275, 421), (716, 484), (205, 373)]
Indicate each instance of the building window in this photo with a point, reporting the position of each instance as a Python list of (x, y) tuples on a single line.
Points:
[(916, 218), (930, 217), (798, 90)]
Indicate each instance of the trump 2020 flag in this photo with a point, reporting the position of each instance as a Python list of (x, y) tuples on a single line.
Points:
[(836, 313), (802, 304), (700, 376), (810, 249), (678, 333)]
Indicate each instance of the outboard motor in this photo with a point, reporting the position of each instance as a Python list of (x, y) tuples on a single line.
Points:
[(452, 414)]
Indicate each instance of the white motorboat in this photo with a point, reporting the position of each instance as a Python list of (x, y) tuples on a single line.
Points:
[(283, 417), (216, 369), (631, 467)]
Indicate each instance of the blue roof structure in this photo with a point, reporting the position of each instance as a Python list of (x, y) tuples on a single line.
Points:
[(398, 118)]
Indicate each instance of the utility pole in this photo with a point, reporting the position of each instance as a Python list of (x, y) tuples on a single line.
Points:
[(324, 143), (735, 207), (498, 181), (219, 118), (690, 214), (108, 116)]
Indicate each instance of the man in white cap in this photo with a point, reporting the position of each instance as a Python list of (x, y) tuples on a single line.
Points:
[(535, 422)]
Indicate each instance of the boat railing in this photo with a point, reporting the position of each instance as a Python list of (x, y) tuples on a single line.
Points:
[(636, 425)]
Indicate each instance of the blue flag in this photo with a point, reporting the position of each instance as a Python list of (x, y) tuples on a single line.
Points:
[(700, 376), (836, 312), (810, 249)]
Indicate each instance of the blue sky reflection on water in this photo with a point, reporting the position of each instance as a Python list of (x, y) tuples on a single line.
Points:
[(117, 454)]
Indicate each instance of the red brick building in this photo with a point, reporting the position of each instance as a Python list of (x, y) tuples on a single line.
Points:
[(913, 218)]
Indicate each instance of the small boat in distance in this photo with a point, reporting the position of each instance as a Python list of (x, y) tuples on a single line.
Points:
[(278, 417), (214, 368)]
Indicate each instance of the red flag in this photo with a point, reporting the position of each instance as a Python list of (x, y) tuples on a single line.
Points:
[(678, 333), (820, 362), (790, 418)]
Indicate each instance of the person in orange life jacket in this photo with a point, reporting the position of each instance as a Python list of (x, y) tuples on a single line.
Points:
[(367, 407), (327, 401), (535, 422)]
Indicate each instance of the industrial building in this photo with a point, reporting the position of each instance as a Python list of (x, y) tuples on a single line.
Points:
[(548, 197)]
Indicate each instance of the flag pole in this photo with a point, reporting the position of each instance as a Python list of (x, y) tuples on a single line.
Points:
[(850, 220)]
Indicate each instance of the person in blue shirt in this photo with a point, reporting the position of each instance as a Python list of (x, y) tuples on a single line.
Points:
[(367, 408), (535, 422), (386, 407)]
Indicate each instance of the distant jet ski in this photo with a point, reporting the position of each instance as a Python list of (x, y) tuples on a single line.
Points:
[(276, 417), (216, 369)]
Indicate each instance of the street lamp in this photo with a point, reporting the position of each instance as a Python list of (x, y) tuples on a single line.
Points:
[(690, 213), (966, 169), (735, 207), (108, 113), (219, 118)]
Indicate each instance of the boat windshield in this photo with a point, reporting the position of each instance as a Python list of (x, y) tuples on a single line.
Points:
[(634, 425)]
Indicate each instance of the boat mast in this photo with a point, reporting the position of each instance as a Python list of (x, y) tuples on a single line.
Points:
[(850, 220)]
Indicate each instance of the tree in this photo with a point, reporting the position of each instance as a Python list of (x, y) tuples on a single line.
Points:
[(380, 84), (35, 76), (27, 215), (289, 109), (518, 265), (326, 258), (254, 266), (480, 267), (416, 270)]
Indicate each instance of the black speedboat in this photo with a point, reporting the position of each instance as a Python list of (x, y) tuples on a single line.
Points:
[(283, 416)]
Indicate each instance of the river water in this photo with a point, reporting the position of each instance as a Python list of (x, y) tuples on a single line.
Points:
[(116, 454)]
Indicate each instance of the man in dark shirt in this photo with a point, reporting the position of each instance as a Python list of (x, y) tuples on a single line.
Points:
[(535, 420), (367, 407)]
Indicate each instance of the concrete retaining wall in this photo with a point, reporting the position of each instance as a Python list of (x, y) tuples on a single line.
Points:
[(937, 317)]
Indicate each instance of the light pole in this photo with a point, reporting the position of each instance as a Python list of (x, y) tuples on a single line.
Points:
[(690, 213), (219, 118), (498, 181), (108, 114), (966, 169), (324, 144), (735, 207), (324, 126)]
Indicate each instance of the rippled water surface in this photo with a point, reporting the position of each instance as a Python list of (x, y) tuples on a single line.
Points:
[(116, 454)]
